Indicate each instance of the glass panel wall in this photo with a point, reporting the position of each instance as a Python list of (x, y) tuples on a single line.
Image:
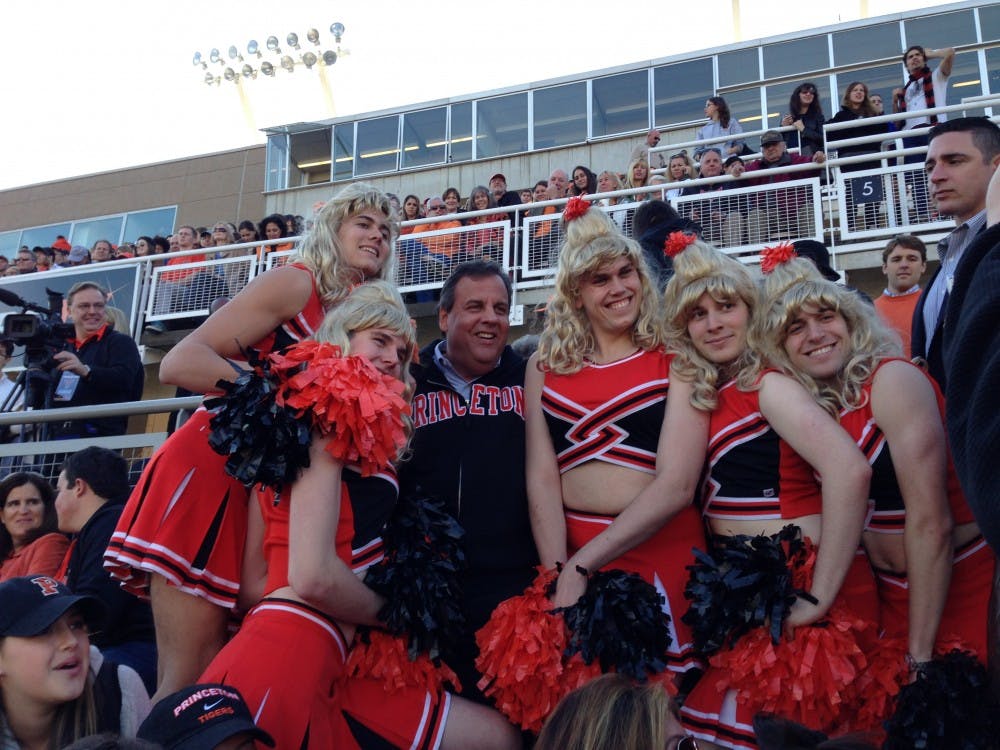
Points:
[(378, 145), (425, 137), (277, 162), (989, 22), (796, 55), (310, 157), (745, 106), (86, 233), (559, 115), (779, 99), (739, 66), (45, 236), (880, 79), (965, 81), (858, 45), (680, 90), (993, 68), (343, 151), (461, 131), (620, 104), (941, 30), (9, 243), (502, 125), (150, 223)]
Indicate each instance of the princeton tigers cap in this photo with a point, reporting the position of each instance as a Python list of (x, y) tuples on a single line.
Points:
[(200, 717)]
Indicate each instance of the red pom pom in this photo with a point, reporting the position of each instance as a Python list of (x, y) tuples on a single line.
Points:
[(358, 407), (676, 242), (879, 684), (575, 208), (774, 256), (384, 658)]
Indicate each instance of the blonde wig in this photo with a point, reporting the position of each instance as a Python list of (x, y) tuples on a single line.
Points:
[(591, 241), (375, 304), (701, 269), (797, 285), (630, 180), (320, 251)]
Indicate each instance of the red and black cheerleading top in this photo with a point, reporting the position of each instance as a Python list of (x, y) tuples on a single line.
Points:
[(754, 475), (889, 512), (590, 417), (298, 328), (365, 506)]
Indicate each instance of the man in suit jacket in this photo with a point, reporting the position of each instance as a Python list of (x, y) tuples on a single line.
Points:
[(961, 159)]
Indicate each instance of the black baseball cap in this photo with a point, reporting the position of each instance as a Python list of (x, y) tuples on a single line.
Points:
[(200, 717), (817, 252), (30, 604)]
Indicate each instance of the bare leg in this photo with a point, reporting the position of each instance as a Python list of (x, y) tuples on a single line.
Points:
[(472, 726), (190, 631)]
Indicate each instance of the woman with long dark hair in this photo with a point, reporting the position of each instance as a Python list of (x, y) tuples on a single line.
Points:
[(806, 114), (30, 541), (584, 181)]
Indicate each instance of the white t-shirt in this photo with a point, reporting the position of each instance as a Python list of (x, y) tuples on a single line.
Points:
[(915, 99)]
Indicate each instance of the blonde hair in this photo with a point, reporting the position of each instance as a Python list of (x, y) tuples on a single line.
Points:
[(629, 180), (797, 284), (591, 241), (609, 712), (116, 319), (701, 269), (321, 251), (375, 304)]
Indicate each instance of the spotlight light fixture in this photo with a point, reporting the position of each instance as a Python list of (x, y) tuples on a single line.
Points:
[(196, 61), (329, 57), (229, 74), (292, 40), (253, 48), (313, 36), (337, 29), (288, 63), (267, 68), (309, 59), (248, 71), (214, 55), (210, 79), (272, 45), (234, 53)]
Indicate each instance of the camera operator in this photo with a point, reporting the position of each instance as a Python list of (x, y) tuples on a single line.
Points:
[(100, 366)]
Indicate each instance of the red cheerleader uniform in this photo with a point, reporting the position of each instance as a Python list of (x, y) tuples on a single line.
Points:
[(186, 519), (614, 413), (754, 475), (965, 612), (288, 659)]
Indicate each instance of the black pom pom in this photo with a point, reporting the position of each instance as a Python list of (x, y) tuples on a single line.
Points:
[(620, 621), (419, 576), (948, 707), (743, 583), (264, 443)]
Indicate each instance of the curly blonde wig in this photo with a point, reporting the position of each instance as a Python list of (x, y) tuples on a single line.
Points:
[(591, 241), (321, 251), (797, 285), (701, 269)]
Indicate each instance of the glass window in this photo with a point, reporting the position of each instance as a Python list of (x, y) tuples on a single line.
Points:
[(745, 107), (989, 22), (461, 131), (343, 151), (157, 221), (965, 81), (680, 90), (993, 68), (45, 236), (941, 30), (425, 137), (560, 115), (310, 157), (9, 243), (791, 57), (86, 233), (738, 66), (277, 162), (501, 125), (620, 104), (866, 43), (378, 145)]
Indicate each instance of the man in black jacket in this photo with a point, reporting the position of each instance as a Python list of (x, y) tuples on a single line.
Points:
[(468, 444), (92, 490)]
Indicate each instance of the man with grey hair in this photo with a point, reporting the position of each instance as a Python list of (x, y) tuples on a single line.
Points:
[(657, 159)]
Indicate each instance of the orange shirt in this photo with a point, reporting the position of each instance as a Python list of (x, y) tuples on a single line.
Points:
[(447, 244), (43, 556), (897, 312)]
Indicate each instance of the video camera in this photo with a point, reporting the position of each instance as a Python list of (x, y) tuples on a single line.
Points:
[(38, 329)]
